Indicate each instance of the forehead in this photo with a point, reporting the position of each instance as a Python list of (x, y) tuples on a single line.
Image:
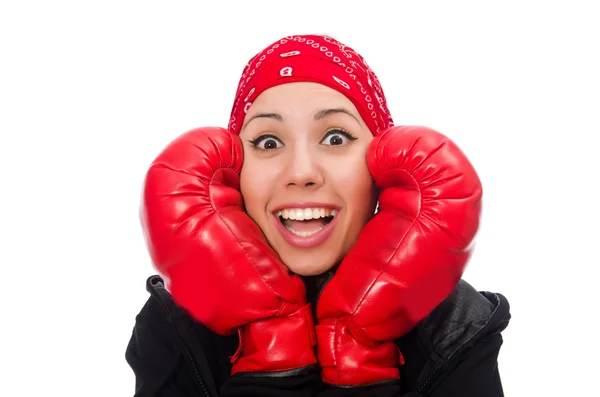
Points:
[(305, 95)]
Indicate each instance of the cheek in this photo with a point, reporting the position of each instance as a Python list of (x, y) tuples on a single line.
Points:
[(256, 185), (353, 179), (359, 193)]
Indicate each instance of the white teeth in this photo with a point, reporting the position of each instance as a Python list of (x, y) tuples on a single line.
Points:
[(305, 234), (308, 213), (301, 214)]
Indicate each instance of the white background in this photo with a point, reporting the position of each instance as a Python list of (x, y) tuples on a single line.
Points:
[(91, 91)]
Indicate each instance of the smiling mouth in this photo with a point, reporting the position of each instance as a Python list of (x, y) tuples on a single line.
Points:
[(304, 222)]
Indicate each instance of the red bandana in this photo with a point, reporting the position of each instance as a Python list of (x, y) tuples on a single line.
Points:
[(318, 59)]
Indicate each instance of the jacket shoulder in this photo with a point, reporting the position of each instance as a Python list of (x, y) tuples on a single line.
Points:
[(466, 316), (445, 338)]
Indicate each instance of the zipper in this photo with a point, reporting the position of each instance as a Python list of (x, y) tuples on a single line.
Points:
[(170, 316), (194, 367), (451, 364), (189, 356), (429, 379)]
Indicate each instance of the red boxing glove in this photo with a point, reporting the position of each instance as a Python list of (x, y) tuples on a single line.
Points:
[(215, 260), (407, 259)]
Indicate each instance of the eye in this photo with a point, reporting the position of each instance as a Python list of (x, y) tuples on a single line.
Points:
[(266, 142), (338, 137)]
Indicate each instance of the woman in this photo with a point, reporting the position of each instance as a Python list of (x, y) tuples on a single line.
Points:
[(280, 279)]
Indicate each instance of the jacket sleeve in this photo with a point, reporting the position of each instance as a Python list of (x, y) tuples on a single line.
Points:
[(476, 373), (380, 390), (308, 385), (305, 385)]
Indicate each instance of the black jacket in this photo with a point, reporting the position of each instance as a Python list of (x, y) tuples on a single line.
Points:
[(453, 352)]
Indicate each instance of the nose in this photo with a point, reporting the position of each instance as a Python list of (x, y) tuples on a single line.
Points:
[(303, 169)]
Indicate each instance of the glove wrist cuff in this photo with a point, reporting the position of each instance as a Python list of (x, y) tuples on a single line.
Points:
[(277, 343), (349, 361)]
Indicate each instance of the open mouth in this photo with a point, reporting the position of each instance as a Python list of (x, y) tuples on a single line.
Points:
[(304, 222)]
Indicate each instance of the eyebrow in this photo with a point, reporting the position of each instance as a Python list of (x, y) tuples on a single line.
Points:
[(321, 114), (274, 116), (326, 112)]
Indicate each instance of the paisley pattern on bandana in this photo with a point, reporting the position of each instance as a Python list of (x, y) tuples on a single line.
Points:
[(318, 59)]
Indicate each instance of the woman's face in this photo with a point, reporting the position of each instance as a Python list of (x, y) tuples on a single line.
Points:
[(305, 180)]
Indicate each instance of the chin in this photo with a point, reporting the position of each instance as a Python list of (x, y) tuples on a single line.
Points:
[(312, 268), (312, 262)]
